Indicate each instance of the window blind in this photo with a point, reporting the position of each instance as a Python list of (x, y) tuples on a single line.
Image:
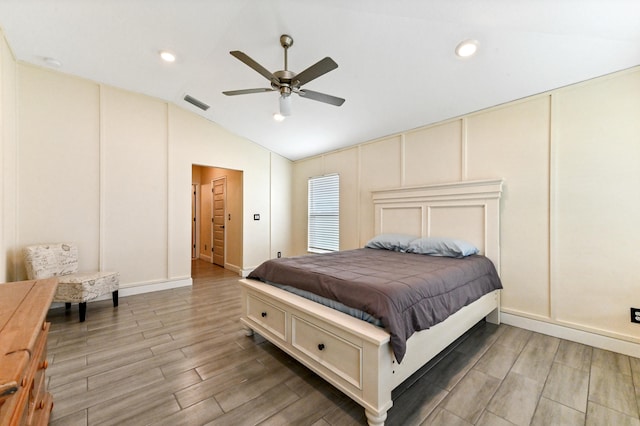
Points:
[(324, 214)]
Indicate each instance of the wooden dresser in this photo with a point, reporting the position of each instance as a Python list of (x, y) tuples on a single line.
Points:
[(23, 352)]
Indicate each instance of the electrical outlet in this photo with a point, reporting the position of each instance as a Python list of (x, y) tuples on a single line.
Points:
[(635, 315), (279, 254)]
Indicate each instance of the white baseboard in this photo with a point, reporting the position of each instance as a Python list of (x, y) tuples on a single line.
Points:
[(572, 334), (234, 268), (140, 288)]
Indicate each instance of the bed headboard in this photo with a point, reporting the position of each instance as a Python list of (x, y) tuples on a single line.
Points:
[(468, 210)]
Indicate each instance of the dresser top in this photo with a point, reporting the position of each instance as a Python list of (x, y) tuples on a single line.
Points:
[(23, 309)]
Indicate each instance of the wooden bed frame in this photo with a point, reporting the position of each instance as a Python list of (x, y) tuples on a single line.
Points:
[(354, 355)]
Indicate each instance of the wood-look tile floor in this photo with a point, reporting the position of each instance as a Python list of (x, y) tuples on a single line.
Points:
[(179, 357)]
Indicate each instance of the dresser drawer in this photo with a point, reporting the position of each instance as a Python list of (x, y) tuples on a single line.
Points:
[(38, 366), (339, 356), (268, 315)]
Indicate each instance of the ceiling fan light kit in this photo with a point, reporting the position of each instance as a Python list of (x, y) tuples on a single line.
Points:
[(286, 81), (53, 62), (285, 105)]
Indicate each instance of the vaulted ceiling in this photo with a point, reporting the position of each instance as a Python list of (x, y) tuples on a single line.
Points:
[(397, 68)]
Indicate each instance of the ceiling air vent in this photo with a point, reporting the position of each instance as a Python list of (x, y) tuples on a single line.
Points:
[(194, 101)]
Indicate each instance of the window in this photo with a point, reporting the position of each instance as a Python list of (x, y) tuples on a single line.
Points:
[(324, 214)]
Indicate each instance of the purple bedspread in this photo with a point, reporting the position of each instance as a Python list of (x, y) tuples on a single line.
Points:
[(407, 292)]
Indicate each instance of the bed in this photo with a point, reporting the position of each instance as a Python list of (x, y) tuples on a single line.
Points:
[(355, 356)]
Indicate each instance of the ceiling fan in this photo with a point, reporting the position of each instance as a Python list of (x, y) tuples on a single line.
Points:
[(287, 82)]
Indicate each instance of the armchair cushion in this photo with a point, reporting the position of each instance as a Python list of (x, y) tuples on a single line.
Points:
[(80, 287), (50, 260)]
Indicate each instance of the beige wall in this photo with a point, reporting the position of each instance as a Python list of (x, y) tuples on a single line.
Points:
[(570, 205), (8, 152), (281, 207), (133, 161), (112, 170)]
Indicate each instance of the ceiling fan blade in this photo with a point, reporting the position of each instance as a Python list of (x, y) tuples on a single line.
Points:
[(245, 91), (321, 67), (322, 97), (256, 66)]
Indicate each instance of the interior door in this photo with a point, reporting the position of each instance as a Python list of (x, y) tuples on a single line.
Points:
[(194, 215), (205, 222), (218, 210)]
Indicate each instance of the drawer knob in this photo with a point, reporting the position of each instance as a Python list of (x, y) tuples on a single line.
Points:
[(321, 347), (44, 365), (264, 314)]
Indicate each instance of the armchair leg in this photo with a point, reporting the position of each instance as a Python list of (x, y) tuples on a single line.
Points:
[(67, 306), (115, 299), (83, 311)]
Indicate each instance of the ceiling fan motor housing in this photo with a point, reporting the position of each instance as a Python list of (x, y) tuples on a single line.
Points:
[(285, 78)]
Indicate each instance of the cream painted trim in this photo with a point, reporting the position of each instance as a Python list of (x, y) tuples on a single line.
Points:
[(169, 189), (358, 185), (10, 248), (403, 157), (463, 148), (553, 202), (572, 334), (235, 268), (102, 137)]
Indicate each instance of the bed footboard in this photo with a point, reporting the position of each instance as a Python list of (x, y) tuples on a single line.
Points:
[(338, 347)]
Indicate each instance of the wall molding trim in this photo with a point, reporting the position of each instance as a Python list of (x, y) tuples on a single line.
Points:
[(234, 268), (140, 288), (572, 334)]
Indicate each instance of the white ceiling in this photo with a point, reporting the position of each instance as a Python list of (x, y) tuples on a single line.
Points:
[(397, 67)]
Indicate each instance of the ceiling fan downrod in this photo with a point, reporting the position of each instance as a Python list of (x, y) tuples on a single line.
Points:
[(286, 41)]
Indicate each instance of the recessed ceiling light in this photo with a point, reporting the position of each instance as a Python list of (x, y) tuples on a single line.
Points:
[(52, 62), (167, 56), (467, 48)]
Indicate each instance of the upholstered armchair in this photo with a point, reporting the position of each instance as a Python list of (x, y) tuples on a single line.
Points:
[(61, 260)]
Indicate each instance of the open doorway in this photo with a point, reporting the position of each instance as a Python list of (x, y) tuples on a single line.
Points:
[(217, 216)]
